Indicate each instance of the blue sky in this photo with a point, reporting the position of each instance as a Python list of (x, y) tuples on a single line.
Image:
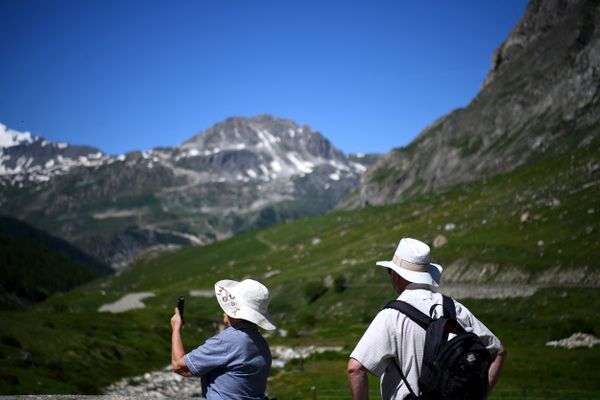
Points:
[(127, 75)]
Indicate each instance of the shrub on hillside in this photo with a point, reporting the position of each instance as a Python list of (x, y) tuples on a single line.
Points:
[(339, 284), (313, 290)]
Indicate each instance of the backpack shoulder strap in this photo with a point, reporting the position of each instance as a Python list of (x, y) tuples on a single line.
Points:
[(411, 312), (412, 395), (449, 308), (420, 319), (450, 313)]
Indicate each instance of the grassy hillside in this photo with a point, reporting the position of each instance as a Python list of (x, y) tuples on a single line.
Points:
[(15, 228), (31, 272), (36, 264), (326, 289)]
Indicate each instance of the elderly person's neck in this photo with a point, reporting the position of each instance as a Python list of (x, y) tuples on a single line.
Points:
[(230, 321), (400, 284)]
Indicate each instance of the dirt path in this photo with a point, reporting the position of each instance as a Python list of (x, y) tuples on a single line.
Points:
[(263, 240), (194, 178)]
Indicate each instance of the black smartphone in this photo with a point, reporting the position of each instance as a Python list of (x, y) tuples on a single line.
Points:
[(180, 303)]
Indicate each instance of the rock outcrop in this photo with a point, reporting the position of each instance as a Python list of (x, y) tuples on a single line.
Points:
[(541, 97)]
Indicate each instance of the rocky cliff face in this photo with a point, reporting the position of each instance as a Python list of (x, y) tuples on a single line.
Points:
[(240, 174), (541, 97)]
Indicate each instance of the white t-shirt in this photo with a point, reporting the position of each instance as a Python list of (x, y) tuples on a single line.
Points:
[(393, 334)]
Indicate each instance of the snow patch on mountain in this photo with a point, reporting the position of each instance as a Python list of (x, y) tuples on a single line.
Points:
[(26, 159), (10, 137), (303, 166)]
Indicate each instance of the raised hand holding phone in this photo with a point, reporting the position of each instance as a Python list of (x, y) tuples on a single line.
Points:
[(180, 304)]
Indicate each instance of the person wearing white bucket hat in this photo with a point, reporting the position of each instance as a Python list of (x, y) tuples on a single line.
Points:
[(394, 343), (411, 262), (235, 363)]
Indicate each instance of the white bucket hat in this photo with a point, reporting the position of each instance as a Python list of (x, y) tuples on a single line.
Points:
[(246, 300), (411, 261)]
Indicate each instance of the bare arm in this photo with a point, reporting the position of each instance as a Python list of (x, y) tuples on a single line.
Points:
[(358, 379), (496, 368), (177, 351)]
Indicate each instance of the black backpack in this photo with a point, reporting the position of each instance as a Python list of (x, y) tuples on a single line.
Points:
[(452, 370)]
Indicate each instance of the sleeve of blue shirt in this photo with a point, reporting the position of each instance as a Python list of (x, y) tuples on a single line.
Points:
[(214, 353)]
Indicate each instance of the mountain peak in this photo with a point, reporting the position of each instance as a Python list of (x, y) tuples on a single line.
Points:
[(10, 137), (264, 134), (540, 18), (241, 173), (31, 160)]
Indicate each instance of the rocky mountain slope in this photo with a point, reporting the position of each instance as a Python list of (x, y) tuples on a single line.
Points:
[(240, 174), (541, 97)]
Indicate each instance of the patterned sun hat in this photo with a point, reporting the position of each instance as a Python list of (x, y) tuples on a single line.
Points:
[(248, 300)]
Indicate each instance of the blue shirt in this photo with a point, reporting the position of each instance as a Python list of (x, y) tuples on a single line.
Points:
[(233, 364)]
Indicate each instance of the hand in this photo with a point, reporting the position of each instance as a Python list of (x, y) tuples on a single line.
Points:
[(176, 320)]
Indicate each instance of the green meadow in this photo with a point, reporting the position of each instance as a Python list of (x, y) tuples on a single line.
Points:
[(537, 226)]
